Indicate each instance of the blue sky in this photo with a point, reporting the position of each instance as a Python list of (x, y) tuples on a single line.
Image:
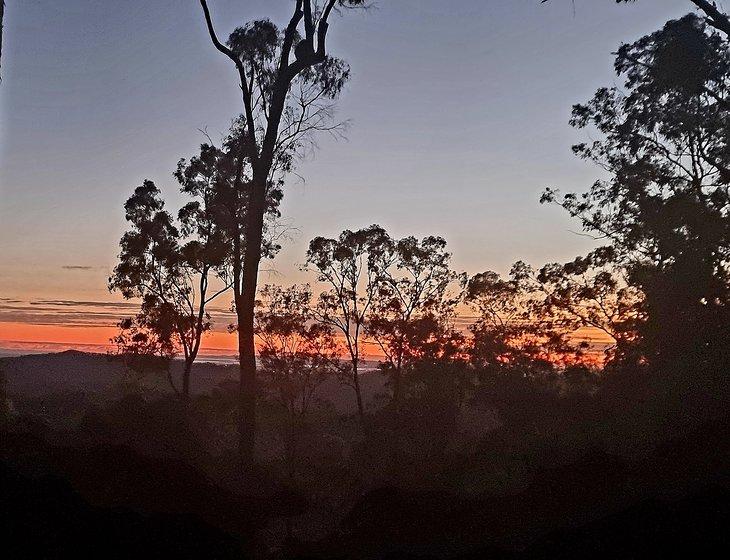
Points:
[(458, 113)]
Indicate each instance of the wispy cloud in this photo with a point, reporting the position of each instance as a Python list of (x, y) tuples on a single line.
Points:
[(78, 313), (76, 303), (69, 313)]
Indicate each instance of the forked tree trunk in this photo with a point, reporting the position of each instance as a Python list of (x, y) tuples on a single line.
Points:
[(261, 155)]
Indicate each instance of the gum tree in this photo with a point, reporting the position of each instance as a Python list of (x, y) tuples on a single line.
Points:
[(297, 355), (414, 306), (288, 81), (353, 268), (169, 264), (662, 213)]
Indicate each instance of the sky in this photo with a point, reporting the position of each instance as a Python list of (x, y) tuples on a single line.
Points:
[(458, 119)]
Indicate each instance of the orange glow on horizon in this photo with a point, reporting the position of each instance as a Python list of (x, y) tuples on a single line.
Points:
[(53, 338), (26, 332), (38, 336)]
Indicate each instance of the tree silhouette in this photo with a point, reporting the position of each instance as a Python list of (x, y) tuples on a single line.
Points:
[(171, 267), (353, 267), (593, 292), (213, 178), (515, 326), (413, 304), (287, 96), (297, 353), (664, 210), (147, 342)]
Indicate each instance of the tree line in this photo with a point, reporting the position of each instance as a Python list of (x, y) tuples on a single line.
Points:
[(657, 284)]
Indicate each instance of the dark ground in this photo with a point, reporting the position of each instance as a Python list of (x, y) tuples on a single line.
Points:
[(87, 487)]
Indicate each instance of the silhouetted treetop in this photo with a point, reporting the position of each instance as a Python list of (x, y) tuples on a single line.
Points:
[(170, 264), (149, 258), (352, 266), (256, 42), (680, 58), (663, 211)]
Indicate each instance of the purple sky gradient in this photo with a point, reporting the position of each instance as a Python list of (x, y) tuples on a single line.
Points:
[(458, 115)]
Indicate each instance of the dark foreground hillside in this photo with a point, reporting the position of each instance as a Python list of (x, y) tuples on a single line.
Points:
[(74, 371), (107, 502), (677, 500), (600, 473), (112, 502)]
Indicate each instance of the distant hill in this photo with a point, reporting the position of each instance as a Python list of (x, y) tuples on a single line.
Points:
[(73, 371)]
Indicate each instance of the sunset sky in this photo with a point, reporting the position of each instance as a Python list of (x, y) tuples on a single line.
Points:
[(459, 119)]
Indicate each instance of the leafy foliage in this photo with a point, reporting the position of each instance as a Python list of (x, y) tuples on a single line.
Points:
[(413, 316), (352, 267), (297, 353), (146, 343), (168, 265), (664, 210)]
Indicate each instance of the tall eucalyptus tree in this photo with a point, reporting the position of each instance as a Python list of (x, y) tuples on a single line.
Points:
[(288, 82)]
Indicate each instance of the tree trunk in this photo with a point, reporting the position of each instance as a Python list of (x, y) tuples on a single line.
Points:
[(245, 315), (358, 392), (397, 377), (247, 389), (396, 390), (169, 379), (186, 379)]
